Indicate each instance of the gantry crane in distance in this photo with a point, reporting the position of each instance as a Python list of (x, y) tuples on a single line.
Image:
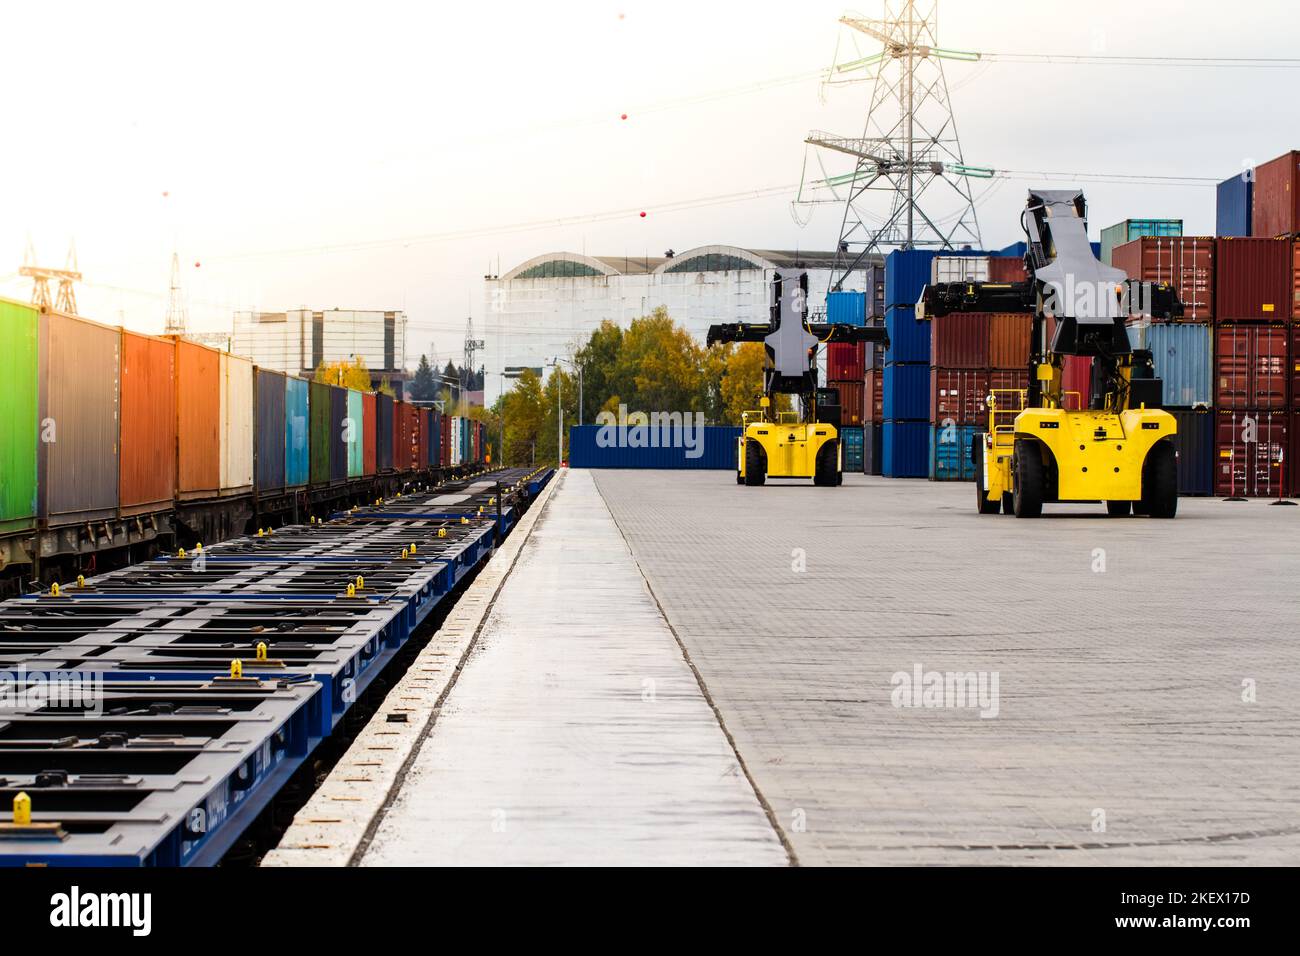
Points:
[(1116, 444), (796, 444)]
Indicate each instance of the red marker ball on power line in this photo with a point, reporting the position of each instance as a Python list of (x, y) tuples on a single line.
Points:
[(196, 265), (624, 116), (642, 215)]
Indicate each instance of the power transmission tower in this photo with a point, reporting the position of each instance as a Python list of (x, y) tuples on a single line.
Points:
[(65, 300), (908, 158), (176, 319), (472, 345)]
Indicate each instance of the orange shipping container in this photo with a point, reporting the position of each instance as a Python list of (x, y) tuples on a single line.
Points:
[(1009, 340), (147, 477), (198, 420)]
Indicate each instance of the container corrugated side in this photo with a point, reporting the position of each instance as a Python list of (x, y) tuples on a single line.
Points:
[(147, 475), (845, 361), (435, 441), (950, 452), (851, 402), (338, 436), (1007, 269), (846, 308), (1009, 340), (1233, 199), (874, 395), (906, 273), (1251, 366), (906, 392), (297, 433), (905, 449), (948, 268), (1186, 263), (1182, 356), (1275, 201), (236, 424), (1253, 281), (355, 432), (384, 406), (321, 446), (19, 398), (599, 446), (269, 434), (1130, 229), (851, 438), (198, 420), (960, 340), (1195, 443), (958, 395), (370, 422), (1250, 452), (77, 458), (872, 448)]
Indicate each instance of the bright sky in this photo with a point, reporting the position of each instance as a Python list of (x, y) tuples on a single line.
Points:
[(253, 137)]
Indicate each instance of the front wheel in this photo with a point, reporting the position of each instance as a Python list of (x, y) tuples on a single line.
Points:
[(1160, 481), (1031, 479), (755, 463), (826, 470)]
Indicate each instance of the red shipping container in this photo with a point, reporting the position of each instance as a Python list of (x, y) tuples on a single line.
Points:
[(1009, 340), (1008, 378), (147, 475), (368, 433), (1250, 453), (1076, 378), (850, 402), (875, 388), (1253, 281), (424, 422), (960, 340), (1251, 366), (1291, 474), (1275, 198), (845, 361), (1007, 269), (444, 447), (1295, 281), (1293, 362), (1185, 262), (958, 394)]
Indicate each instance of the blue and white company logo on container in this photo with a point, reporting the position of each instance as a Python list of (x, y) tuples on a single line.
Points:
[(652, 430)]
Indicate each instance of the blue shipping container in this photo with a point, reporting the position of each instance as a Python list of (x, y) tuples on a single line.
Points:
[(598, 446), (1181, 353), (851, 448), (950, 452), (297, 458), (846, 308), (906, 392), (1232, 206), (906, 273), (905, 448), (1195, 444), (909, 340)]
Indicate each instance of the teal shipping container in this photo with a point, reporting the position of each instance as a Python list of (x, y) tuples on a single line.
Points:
[(1182, 356), (355, 431), (297, 455), (1131, 229), (851, 448), (950, 447)]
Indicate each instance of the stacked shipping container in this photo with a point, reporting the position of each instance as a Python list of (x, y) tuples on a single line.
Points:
[(846, 371), (905, 378)]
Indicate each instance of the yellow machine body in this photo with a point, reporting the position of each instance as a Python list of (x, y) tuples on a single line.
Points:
[(790, 448)]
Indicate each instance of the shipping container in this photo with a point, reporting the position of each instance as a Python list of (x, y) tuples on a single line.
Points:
[(1295, 282), (1233, 199), (909, 340), (872, 448), (369, 424), (444, 453), (270, 432), (1275, 204), (1195, 444), (1009, 340), (1250, 447), (875, 388), (1181, 354), (958, 395), (1186, 263), (961, 340), (1130, 229), (297, 435), (1007, 269), (435, 439), (950, 452), (851, 448), (338, 434), (77, 456), (1007, 379), (236, 424), (1292, 472), (607, 446), (147, 475), (354, 431), (874, 279), (852, 404), (1076, 380), (906, 273), (1253, 280), (846, 308), (845, 361), (1293, 363), (946, 268), (906, 393), (425, 422), (321, 432), (384, 430), (19, 398), (1251, 367), (905, 449), (198, 420)]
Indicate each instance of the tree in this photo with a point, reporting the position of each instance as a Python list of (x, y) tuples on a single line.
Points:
[(663, 364), (345, 373), (741, 382), (423, 386), (522, 409)]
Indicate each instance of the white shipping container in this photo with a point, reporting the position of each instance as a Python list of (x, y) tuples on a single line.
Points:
[(959, 269), (236, 424), (455, 440)]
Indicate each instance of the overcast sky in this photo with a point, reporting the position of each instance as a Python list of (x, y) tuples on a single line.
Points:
[(252, 137)]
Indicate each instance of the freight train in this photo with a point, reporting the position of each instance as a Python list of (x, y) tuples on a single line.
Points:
[(114, 444)]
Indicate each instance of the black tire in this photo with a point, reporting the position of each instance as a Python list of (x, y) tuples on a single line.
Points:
[(755, 463), (1008, 503), (982, 503), (826, 470), (740, 479), (1118, 509), (1160, 481), (1031, 479)]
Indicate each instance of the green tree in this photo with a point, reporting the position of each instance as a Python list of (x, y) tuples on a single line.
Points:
[(423, 386), (521, 407), (345, 373), (661, 366)]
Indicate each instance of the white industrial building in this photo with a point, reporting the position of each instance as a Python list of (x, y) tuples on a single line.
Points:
[(299, 340), (551, 304)]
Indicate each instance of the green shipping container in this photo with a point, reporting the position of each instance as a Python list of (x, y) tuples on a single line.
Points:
[(319, 401), (1131, 229), (354, 430), (18, 334)]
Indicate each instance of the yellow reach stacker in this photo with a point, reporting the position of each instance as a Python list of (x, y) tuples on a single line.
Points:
[(1116, 444)]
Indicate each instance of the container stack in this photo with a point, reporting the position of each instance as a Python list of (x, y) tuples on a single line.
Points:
[(905, 377), (1130, 229), (846, 373)]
